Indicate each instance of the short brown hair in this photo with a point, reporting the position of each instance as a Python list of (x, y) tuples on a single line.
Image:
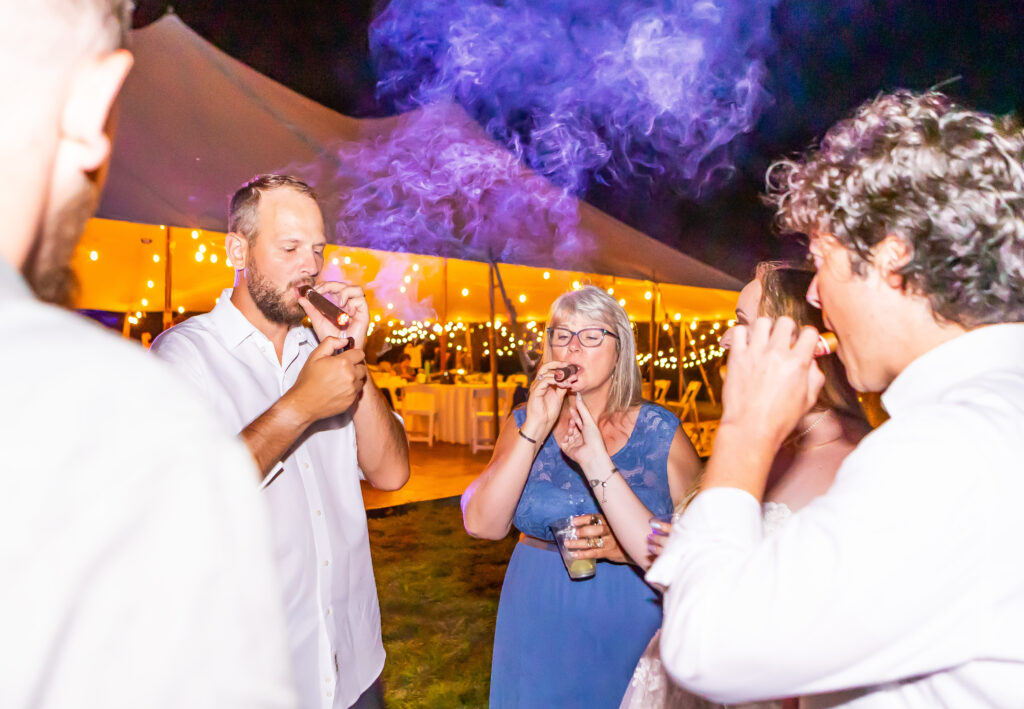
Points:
[(245, 201), (784, 293)]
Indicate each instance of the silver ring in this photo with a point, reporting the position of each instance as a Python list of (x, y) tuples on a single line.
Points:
[(600, 542)]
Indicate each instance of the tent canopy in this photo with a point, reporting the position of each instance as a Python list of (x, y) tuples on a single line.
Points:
[(121, 267), (195, 123)]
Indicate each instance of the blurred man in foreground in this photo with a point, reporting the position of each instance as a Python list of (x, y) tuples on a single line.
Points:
[(133, 546)]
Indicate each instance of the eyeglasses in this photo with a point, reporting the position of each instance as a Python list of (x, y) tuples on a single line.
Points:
[(588, 336)]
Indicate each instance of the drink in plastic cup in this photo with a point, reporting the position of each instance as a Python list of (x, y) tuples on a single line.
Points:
[(563, 529)]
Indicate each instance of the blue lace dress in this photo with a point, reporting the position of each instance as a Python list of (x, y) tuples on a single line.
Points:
[(564, 643)]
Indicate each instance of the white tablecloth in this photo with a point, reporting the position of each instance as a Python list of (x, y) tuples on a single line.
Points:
[(455, 409)]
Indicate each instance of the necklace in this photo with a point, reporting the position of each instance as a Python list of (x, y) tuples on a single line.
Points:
[(796, 439)]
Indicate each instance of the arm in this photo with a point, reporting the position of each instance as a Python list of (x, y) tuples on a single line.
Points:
[(628, 516), (863, 586), (327, 385), (878, 580), (382, 448), (490, 501), (381, 445)]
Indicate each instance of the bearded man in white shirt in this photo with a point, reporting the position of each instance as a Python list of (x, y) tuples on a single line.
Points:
[(132, 543), (314, 423), (902, 586)]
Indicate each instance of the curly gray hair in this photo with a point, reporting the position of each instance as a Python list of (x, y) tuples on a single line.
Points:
[(946, 180)]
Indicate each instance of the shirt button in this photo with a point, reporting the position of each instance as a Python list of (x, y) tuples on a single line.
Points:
[(319, 513), (306, 466), (327, 612), (327, 562)]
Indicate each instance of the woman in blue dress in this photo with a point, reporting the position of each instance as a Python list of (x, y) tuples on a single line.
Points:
[(561, 642)]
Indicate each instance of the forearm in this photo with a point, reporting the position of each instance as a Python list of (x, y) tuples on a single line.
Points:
[(628, 517), (383, 451), (739, 461), (490, 501), (271, 435)]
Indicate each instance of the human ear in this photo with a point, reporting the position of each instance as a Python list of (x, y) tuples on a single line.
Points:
[(890, 255), (237, 248), (85, 119)]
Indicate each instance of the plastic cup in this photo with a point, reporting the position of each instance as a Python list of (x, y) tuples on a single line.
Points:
[(578, 569)]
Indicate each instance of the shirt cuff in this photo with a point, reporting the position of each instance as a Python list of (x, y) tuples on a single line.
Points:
[(274, 472), (723, 516)]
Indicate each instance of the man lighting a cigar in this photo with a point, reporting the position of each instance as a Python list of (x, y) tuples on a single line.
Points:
[(902, 585), (313, 421)]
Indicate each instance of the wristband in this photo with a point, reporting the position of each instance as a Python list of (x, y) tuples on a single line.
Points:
[(523, 435)]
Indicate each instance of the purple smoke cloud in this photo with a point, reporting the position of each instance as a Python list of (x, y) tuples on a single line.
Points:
[(436, 184), (601, 89)]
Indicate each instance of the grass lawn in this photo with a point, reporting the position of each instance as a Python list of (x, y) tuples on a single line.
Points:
[(438, 590)]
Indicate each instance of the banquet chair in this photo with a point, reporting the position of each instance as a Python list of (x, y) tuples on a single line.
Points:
[(686, 407), (661, 390), (483, 415), (419, 400)]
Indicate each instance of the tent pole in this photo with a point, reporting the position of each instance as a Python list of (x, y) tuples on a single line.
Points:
[(168, 317), (491, 341), (679, 359), (126, 327), (653, 335), (442, 364)]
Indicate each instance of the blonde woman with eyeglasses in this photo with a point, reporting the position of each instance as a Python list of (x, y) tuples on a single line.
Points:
[(561, 642)]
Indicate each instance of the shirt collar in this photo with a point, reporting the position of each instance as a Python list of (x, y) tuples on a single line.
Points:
[(984, 349), (12, 283), (235, 328)]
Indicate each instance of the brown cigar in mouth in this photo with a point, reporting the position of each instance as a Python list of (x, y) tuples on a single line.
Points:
[(329, 310), (563, 373), (827, 343)]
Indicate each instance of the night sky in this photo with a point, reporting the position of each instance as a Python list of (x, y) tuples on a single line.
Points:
[(828, 56)]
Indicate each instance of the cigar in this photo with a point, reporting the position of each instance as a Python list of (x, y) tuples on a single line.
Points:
[(563, 373), (328, 309), (827, 343)]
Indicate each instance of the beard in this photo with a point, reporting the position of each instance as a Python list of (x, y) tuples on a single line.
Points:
[(48, 266), (270, 301)]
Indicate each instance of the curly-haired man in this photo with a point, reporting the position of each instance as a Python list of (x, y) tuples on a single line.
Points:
[(902, 586)]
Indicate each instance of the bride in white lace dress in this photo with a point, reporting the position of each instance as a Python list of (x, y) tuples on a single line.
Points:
[(803, 469)]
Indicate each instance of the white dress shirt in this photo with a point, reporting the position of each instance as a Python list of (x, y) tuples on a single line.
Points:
[(133, 557), (903, 586), (319, 523)]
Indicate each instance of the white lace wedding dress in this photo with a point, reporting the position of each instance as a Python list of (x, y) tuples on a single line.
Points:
[(651, 687)]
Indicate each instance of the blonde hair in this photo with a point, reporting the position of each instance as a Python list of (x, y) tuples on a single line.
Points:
[(596, 304)]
